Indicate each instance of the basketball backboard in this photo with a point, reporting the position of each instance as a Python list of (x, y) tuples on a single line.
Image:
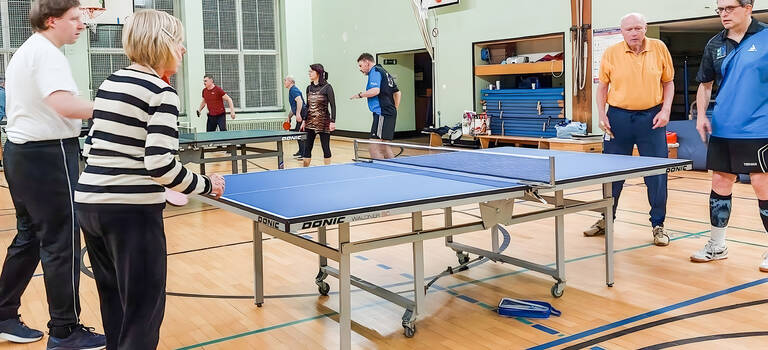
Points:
[(430, 4), (116, 11)]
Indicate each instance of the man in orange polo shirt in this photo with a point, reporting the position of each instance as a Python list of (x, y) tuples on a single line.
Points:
[(639, 73)]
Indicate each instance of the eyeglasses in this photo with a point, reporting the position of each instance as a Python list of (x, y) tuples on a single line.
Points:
[(726, 10)]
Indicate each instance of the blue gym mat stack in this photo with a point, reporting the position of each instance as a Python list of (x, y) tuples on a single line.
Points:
[(524, 112)]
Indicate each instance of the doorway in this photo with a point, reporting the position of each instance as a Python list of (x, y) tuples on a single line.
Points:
[(413, 74)]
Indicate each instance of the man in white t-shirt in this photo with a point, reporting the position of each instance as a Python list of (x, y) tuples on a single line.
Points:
[(41, 167)]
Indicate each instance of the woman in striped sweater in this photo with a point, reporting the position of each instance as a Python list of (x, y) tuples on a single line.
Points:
[(120, 196)]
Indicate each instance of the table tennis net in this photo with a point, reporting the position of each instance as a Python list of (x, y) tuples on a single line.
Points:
[(499, 165)]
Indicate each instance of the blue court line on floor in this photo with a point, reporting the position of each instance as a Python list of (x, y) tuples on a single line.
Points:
[(596, 348), (545, 329), (407, 275), (257, 331), (485, 306), (361, 257), (385, 267), (649, 314), (525, 321), (467, 299)]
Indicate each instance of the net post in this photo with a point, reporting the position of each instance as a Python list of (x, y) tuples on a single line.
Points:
[(355, 146)]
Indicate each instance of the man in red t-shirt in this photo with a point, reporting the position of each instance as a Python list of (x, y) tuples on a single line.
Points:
[(214, 97)]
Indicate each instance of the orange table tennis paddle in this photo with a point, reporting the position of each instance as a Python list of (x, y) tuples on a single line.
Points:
[(287, 125)]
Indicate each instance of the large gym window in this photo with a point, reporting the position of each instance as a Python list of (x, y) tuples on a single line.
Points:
[(106, 48), (241, 51), (14, 28)]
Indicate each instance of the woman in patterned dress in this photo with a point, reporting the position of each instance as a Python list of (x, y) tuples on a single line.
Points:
[(321, 113)]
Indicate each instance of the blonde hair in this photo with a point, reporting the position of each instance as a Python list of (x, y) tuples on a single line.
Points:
[(151, 38)]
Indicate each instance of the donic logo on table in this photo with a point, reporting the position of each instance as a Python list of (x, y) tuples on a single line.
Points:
[(323, 222), (677, 168), (343, 219), (267, 221)]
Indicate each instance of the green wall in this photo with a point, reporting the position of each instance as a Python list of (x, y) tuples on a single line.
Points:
[(390, 26), (403, 72), (342, 30)]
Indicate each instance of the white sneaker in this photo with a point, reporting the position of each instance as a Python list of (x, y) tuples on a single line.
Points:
[(712, 251), (660, 238), (764, 264), (597, 229)]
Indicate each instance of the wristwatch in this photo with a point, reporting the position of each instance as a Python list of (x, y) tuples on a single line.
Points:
[(359, 95)]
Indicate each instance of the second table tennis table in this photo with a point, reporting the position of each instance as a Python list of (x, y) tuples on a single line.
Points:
[(281, 203), (194, 146)]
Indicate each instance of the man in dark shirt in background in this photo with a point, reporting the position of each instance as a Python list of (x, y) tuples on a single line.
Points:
[(296, 101)]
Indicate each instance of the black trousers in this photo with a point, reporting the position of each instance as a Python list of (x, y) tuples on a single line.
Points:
[(41, 178), (126, 247), (219, 120), (325, 142), (297, 128)]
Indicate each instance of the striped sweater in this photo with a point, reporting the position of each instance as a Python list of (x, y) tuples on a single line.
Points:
[(132, 144)]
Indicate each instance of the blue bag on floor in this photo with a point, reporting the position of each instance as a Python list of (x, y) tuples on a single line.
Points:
[(509, 307), (566, 128)]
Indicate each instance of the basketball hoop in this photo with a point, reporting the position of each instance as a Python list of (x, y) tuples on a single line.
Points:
[(89, 15)]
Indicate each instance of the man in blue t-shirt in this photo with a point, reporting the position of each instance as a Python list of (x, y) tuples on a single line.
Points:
[(736, 59), (383, 100), (296, 100)]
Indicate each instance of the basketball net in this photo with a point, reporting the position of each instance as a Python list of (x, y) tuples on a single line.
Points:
[(89, 14), (420, 11)]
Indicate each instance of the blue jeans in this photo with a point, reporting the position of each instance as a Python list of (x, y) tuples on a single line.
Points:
[(632, 128)]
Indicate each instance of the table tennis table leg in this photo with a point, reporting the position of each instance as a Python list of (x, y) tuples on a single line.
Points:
[(258, 266), (461, 256), (559, 287), (280, 163), (243, 152), (202, 161), (233, 152), (608, 193), (448, 222), (418, 277), (345, 295), (322, 286)]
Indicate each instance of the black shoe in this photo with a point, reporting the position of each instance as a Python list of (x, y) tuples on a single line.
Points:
[(15, 331), (82, 338)]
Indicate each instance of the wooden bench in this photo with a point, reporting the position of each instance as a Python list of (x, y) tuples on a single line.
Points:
[(591, 145)]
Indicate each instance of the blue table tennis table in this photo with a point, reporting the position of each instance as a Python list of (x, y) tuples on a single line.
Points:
[(194, 146), (284, 202)]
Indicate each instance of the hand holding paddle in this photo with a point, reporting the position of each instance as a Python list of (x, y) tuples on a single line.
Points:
[(605, 125), (218, 183)]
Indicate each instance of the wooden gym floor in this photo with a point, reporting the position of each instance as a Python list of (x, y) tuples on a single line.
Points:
[(659, 296)]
